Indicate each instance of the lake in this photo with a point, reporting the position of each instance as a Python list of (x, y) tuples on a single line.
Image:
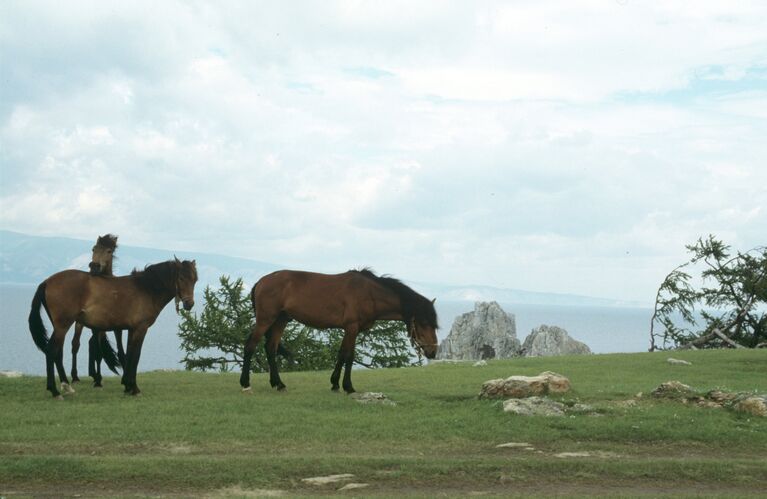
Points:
[(603, 329)]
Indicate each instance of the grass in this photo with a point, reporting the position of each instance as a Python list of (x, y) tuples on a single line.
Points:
[(196, 434)]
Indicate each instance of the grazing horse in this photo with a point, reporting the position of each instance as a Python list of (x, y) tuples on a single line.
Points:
[(130, 302), (352, 301), (98, 346)]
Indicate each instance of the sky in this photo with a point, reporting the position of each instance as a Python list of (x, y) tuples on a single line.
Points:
[(557, 146)]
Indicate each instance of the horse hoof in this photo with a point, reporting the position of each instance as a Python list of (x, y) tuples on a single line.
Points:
[(98, 386), (67, 388), (58, 397), (334, 389), (247, 391), (281, 387)]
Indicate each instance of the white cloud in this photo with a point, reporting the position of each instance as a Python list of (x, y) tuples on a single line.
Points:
[(556, 147)]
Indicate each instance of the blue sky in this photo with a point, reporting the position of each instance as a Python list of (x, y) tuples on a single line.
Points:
[(570, 147)]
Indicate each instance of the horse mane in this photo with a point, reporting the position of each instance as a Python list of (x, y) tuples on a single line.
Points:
[(414, 305), (107, 241), (158, 277)]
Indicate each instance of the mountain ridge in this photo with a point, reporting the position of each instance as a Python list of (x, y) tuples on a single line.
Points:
[(28, 259)]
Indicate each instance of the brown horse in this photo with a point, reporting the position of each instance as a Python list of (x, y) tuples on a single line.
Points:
[(131, 302), (98, 346), (352, 301)]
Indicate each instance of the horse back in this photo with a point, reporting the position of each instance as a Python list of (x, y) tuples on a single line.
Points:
[(315, 299)]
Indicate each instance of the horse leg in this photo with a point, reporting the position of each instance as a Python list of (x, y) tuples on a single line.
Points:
[(75, 349), (53, 350), (65, 386), (135, 342), (350, 338), (120, 351), (97, 358), (273, 337), (250, 346), (345, 359), (92, 349), (337, 371)]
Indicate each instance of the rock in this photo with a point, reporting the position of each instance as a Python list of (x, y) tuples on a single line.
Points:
[(721, 397), (673, 390), (10, 374), (514, 445), (534, 406), (677, 362), (353, 486), (486, 333), (372, 398), (324, 480), (557, 382), (756, 405), (525, 386), (547, 341), (480, 363)]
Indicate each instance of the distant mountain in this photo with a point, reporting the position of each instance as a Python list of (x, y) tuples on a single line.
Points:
[(505, 295), (26, 259)]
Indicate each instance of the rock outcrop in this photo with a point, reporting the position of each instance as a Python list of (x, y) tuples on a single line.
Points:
[(525, 386), (546, 341), (486, 333)]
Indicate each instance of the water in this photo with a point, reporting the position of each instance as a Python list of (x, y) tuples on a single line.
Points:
[(603, 329)]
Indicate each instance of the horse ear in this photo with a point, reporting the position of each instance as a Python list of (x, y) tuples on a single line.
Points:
[(176, 258), (433, 301)]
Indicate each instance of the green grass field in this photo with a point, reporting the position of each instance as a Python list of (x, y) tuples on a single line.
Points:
[(196, 434)]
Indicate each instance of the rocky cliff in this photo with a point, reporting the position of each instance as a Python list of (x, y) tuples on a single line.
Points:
[(486, 333)]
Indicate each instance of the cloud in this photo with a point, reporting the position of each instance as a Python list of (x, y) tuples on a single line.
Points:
[(557, 147)]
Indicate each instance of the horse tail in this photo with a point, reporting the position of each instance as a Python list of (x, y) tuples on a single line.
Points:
[(108, 353), (36, 326)]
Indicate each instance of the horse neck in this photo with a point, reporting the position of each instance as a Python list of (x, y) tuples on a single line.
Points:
[(389, 306), (162, 294), (108, 270)]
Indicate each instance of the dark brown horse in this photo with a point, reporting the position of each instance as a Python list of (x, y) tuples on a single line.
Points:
[(352, 301), (131, 302), (98, 347)]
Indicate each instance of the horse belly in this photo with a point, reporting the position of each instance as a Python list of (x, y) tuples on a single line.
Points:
[(105, 312)]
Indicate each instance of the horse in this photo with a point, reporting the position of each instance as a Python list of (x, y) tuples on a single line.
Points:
[(98, 346), (130, 302), (352, 301)]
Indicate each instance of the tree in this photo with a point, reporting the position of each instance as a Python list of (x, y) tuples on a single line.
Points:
[(731, 300), (214, 340)]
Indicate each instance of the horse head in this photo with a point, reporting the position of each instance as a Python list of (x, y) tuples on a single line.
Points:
[(423, 331), (185, 281), (103, 254)]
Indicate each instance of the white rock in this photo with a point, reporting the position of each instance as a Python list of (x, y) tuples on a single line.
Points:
[(324, 480), (547, 341), (10, 374), (486, 333), (678, 362)]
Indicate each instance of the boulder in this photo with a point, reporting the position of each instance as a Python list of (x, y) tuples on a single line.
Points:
[(534, 406), (673, 390), (546, 341), (756, 405), (525, 386), (486, 333)]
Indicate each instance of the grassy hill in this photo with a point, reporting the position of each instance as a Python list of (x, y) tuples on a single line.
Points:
[(196, 434)]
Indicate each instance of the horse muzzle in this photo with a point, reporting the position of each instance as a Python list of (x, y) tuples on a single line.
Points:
[(188, 304), (95, 268)]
